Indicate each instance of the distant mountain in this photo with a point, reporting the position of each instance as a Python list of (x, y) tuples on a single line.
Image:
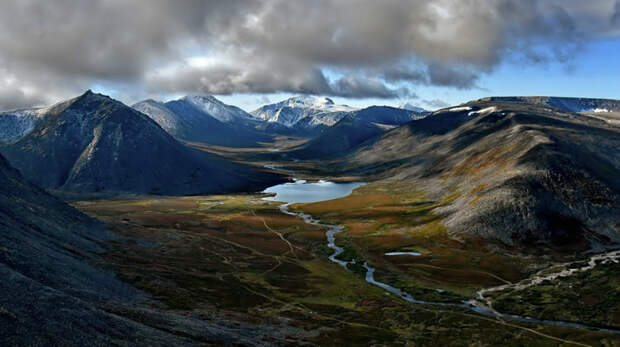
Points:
[(163, 116), (95, 144), (564, 104), (216, 109), (198, 118), (355, 128), (521, 174), (410, 107), (303, 112)]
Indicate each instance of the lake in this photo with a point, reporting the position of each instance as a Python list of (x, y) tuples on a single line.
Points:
[(302, 191)]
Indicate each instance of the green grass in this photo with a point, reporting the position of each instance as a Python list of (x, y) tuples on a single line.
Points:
[(382, 218), (214, 255), (591, 297)]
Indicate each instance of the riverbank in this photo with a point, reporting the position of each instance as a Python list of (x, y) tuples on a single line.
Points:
[(480, 304)]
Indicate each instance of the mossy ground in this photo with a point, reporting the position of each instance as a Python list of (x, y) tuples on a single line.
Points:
[(381, 218), (239, 256), (590, 297)]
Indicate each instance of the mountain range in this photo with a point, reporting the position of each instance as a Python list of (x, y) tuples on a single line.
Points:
[(586, 105), (304, 115), (290, 111), (354, 128), (205, 119), (94, 144), (518, 175)]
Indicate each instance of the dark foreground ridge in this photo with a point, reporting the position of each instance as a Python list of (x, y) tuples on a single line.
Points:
[(49, 286)]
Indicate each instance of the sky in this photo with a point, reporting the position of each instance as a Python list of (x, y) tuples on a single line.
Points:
[(432, 53)]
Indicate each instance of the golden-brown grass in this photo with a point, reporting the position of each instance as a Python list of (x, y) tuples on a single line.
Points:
[(380, 218)]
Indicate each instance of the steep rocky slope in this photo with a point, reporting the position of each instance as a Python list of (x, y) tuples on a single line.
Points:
[(95, 144), (521, 174), (50, 286), (57, 288)]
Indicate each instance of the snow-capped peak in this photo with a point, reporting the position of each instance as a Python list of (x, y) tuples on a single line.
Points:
[(214, 107), (310, 101), (198, 99), (292, 110)]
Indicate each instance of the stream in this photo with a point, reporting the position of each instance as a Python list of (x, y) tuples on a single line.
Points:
[(300, 191)]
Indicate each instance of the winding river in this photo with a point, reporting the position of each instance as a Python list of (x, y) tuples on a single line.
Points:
[(301, 191)]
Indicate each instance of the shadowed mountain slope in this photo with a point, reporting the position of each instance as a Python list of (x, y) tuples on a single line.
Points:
[(518, 173), (56, 289), (49, 286), (355, 128), (95, 144)]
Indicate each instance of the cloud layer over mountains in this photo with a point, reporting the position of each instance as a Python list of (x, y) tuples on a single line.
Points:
[(350, 48)]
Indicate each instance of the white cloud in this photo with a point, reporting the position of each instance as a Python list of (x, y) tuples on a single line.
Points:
[(381, 48)]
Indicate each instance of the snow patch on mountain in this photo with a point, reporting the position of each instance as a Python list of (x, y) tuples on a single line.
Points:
[(459, 109), (601, 110), (483, 111)]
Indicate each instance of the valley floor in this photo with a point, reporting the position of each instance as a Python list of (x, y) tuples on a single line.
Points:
[(253, 275)]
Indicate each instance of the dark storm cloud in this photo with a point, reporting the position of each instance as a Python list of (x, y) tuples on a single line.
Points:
[(263, 78), (446, 75), (360, 87), (400, 73), (12, 99), (54, 48), (106, 39)]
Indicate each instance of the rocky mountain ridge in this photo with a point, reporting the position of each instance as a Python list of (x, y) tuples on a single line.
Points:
[(521, 174)]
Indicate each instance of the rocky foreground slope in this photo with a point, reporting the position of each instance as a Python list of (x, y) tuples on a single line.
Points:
[(57, 290), (49, 286), (522, 174), (94, 144)]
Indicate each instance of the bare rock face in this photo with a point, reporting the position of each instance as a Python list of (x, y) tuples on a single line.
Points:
[(523, 174), (95, 144)]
